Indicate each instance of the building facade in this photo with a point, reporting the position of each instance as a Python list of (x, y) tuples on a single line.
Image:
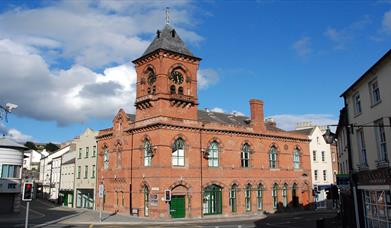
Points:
[(11, 159), (368, 135), (85, 178), (172, 160), (49, 173), (323, 159), (67, 180)]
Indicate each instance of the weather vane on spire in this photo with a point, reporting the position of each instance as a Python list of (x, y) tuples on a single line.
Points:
[(167, 15)]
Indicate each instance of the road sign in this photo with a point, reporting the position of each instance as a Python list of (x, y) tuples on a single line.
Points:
[(101, 190), (167, 195), (343, 181), (27, 191)]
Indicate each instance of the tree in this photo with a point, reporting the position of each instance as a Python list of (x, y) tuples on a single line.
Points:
[(51, 147), (30, 145)]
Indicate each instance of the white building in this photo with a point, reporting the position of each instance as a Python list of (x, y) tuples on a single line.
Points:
[(322, 159), (11, 159), (67, 181), (85, 174), (367, 132), (49, 178)]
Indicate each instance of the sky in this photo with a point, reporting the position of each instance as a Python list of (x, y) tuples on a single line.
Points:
[(67, 64)]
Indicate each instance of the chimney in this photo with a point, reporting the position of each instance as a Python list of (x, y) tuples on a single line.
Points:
[(257, 115)]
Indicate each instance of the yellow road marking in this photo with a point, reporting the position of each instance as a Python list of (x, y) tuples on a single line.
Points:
[(91, 226)]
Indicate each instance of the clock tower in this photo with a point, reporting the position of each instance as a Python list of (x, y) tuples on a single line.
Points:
[(166, 79)]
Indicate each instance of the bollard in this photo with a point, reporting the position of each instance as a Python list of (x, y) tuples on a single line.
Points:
[(320, 223)]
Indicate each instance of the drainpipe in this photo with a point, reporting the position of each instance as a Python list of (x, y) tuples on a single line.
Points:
[(350, 161), (201, 157), (131, 175)]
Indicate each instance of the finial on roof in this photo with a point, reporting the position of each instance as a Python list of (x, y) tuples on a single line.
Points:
[(167, 15)]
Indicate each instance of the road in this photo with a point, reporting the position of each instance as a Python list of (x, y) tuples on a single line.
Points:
[(44, 213)]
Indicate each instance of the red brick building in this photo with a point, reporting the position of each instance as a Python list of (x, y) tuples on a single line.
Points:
[(213, 163)]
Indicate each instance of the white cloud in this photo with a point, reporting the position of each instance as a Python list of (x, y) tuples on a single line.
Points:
[(207, 77), (343, 36), (387, 22), (97, 40), (289, 122), (94, 33), (14, 134), (217, 109), (302, 46), (66, 96)]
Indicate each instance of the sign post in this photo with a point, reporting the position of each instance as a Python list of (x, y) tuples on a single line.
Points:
[(27, 196), (101, 193)]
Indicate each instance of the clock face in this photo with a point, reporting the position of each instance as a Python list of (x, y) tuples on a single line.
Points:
[(177, 77), (151, 78)]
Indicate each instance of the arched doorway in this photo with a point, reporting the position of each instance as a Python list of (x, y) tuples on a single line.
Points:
[(212, 202), (178, 202)]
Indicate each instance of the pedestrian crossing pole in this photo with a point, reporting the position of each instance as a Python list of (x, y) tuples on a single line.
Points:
[(101, 194), (27, 196), (26, 224)]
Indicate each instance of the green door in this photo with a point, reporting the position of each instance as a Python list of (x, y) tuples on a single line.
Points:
[(177, 207), (65, 201)]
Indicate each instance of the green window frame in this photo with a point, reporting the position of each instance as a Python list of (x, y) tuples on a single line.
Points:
[(232, 198), (247, 197), (273, 157), (87, 151), (275, 196), (147, 153), (86, 172), (78, 172), (80, 152), (285, 195), (93, 171), (178, 152), (146, 201), (296, 158), (213, 157), (260, 197), (93, 151), (245, 156), (212, 203)]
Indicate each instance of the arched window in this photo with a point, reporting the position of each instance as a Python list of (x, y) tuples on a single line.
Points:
[(245, 156), (178, 153), (147, 153), (213, 158), (172, 89), (146, 201), (247, 197), (105, 158), (180, 90), (212, 203), (295, 199), (296, 158), (273, 157), (232, 197), (275, 196), (260, 197), (285, 195)]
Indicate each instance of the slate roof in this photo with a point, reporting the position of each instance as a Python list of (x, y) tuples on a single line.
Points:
[(306, 131), (72, 161), (6, 143), (222, 118), (131, 117), (168, 39)]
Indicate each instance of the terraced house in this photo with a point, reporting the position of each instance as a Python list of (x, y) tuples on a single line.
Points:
[(171, 159), (85, 169)]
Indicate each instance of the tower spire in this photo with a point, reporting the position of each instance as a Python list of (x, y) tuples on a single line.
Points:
[(167, 15)]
